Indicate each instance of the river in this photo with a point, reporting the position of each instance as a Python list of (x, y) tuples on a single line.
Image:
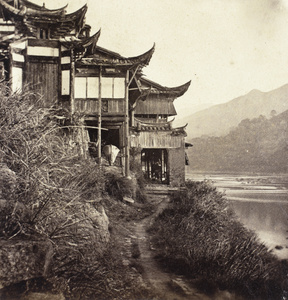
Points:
[(260, 202)]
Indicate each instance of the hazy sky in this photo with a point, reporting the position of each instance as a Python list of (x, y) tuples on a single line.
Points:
[(226, 47)]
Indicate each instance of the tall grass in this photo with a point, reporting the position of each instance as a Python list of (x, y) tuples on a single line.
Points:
[(57, 194), (200, 236), (59, 190)]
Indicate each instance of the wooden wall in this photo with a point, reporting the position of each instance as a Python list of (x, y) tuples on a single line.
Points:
[(155, 105), (43, 78), (35, 65), (109, 106), (156, 139)]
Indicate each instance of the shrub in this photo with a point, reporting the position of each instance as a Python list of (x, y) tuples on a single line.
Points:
[(57, 189), (119, 186), (200, 235)]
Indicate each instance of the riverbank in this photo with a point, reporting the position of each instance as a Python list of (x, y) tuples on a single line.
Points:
[(260, 201), (199, 236)]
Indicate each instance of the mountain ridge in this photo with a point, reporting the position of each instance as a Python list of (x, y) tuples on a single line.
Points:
[(255, 145), (219, 119)]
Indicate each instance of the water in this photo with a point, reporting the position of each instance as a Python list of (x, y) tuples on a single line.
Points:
[(260, 202)]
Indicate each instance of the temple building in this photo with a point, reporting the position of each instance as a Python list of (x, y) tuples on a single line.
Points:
[(53, 54)]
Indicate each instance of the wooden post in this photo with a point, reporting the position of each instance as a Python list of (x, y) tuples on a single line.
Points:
[(83, 138), (127, 145), (99, 116), (72, 82), (133, 117)]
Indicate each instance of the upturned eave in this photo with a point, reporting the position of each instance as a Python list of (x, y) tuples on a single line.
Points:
[(161, 126), (97, 59), (151, 87), (37, 7), (82, 45)]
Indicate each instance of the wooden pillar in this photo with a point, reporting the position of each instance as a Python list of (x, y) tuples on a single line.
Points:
[(126, 125), (133, 114), (99, 116), (72, 82)]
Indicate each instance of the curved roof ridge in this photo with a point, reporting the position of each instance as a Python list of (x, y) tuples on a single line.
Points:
[(11, 8), (37, 7), (145, 57), (91, 41), (83, 45), (157, 88), (77, 13), (180, 130), (142, 59), (31, 9), (181, 127)]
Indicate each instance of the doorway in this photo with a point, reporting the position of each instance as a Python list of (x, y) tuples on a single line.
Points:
[(154, 165)]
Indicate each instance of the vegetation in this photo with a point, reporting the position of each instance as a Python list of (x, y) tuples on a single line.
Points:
[(52, 193), (199, 236), (257, 145), (49, 192)]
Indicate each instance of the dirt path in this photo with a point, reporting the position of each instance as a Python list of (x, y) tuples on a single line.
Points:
[(167, 285)]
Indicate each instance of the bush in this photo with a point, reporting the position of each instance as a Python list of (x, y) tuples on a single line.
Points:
[(200, 235), (119, 186), (57, 192)]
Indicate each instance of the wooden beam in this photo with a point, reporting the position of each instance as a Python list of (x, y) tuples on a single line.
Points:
[(43, 43), (99, 116), (72, 82), (126, 124), (133, 76), (109, 118)]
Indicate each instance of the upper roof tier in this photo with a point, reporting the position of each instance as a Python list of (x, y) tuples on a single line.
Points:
[(83, 46), (105, 57), (150, 87), (30, 5), (29, 18)]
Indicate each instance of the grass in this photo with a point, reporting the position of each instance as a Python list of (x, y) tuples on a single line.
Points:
[(198, 235), (55, 193)]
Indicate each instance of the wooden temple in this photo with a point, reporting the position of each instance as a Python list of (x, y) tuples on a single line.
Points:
[(53, 54)]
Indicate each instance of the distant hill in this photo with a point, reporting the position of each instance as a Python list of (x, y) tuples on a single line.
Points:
[(256, 145), (219, 119), (183, 112)]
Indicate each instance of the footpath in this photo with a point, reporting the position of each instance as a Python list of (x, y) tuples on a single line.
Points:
[(167, 285)]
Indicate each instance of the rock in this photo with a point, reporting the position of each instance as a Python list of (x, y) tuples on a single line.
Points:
[(179, 286), (8, 181), (128, 199), (100, 223), (278, 247), (24, 260), (43, 296), (90, 231), (11, 213)]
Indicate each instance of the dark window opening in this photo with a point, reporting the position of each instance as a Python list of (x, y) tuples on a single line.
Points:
[(2, 71), (43, 33), (111, 137), (108, 137), (154, 165)]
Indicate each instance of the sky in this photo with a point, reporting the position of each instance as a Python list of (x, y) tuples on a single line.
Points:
[(225, 47)]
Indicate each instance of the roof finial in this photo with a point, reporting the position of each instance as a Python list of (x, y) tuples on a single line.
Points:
[(43, 4)]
